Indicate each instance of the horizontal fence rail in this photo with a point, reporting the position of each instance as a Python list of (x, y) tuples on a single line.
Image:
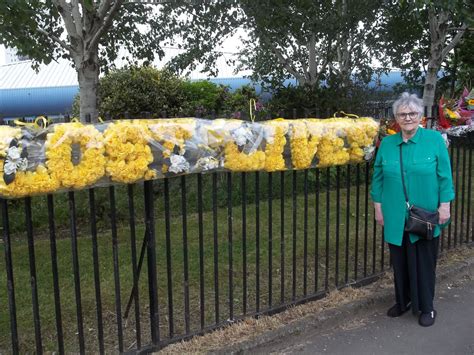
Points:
[(134, 268)]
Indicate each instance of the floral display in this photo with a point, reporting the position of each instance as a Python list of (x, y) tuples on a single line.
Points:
[(14, 161), (128, 152), (469, 99), (75, 154), (360, 138), (275, 136), (457, 112), (36, 160), (242, 148), (303, 144), (456, 117)]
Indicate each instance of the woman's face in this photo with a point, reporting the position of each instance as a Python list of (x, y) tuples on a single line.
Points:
[(408, 118)]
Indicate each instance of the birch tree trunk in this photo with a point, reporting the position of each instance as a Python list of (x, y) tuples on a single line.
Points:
[(438, 25), (85, 26), (88, 78)]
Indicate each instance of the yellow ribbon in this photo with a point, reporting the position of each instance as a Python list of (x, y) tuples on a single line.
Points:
[(100, 119), (21, 123), (345, 114), (75, 119), (36, 122), (43, 120), (253, 106)]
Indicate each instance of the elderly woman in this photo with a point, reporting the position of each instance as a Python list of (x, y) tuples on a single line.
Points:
[(428, 183)]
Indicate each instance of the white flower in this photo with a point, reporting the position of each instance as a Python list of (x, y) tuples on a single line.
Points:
[(241, 135), (13, 153), (178, 164), (9, 167), (369, 152), (22, 164), (207, 163)]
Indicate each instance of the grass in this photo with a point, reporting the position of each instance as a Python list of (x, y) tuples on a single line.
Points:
[(320, 262), (39, 206)]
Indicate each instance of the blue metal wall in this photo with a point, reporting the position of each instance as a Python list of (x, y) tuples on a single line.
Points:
[(36, 101)]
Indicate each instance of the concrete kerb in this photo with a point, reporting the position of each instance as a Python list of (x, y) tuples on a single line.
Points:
[(335, 316)]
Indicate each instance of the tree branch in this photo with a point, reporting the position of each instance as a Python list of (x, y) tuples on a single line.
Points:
[(56, 39), (104, 6), (286, 63), (76, 15), (65, 11), (106, 24), (454, 41)]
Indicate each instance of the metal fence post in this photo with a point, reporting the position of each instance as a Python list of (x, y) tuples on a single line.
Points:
[(151, 261), (10, 280)]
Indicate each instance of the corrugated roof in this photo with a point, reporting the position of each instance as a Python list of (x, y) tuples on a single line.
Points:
[(20, 75)]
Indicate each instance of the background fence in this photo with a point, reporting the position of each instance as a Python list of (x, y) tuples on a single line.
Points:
[(133, 268)]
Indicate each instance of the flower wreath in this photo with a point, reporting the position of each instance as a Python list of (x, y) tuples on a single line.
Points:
[(241, 151), (361, 136), (128, 153), (75, 154), (332, 147), (17, 181), (169, 136), (275, 132), (303, 142)]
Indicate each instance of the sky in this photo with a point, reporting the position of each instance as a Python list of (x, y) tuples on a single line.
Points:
[(228, 47)]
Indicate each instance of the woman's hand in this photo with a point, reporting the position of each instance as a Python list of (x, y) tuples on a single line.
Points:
[(444, 212), (378, 213)]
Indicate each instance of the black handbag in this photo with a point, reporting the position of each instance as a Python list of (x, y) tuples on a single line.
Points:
[(419, 221)]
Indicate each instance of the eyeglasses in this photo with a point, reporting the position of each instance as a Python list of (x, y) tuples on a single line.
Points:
[(404, 115)]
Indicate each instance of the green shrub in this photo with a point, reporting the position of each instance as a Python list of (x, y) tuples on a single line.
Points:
[(204, 97), (316, 101), (238, 103), (141, 89)]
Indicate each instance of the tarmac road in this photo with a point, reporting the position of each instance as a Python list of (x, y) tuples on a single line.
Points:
[(374, 333)]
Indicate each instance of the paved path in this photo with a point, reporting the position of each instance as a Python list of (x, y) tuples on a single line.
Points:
[(374, 333)]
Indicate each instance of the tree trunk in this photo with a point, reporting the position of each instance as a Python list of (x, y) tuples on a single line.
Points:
[(88, 77), (438, 28), (430, 87), (312, 67)]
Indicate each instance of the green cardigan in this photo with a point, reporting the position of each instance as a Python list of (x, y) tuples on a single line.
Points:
[(428, 179)]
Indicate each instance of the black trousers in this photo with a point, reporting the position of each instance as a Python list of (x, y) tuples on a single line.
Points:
[(414, 267)]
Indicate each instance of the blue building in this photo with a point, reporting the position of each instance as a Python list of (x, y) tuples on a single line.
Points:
[(25, 92)]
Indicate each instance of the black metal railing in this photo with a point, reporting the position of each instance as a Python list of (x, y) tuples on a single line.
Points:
[(134, 268)]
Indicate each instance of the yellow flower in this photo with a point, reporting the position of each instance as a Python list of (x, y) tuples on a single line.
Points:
[(240, 161), (171, 133), (127, 151), (361, 133), (27, 183), (59, 149), (304, 143), (275, 132)]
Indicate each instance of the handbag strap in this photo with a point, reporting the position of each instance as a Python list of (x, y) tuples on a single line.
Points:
[(403, 179)]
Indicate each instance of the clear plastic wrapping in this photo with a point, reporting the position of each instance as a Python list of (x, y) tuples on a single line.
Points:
[(75, 156)]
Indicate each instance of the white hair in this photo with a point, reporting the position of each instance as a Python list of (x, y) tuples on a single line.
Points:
[(408, 100)]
